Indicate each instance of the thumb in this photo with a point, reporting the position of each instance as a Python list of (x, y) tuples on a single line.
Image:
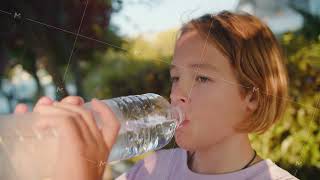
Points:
[(109, 123)]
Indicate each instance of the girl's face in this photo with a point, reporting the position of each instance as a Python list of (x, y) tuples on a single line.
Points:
[(204, 86)]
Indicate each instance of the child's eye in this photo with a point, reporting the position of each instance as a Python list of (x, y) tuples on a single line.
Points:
[(174, 79), (202, 79)]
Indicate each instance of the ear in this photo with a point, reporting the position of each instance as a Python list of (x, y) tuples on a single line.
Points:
[(251, 100)]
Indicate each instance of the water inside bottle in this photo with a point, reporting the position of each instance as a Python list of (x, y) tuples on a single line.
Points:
[(137, 137)]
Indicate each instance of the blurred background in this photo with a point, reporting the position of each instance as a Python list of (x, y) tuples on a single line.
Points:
[(110, 48)]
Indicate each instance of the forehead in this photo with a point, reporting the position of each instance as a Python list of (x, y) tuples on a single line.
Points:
[(192, 49)]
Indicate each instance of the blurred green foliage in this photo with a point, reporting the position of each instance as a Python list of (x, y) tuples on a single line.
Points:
[(119, 76), (294, 142), (142, 68)]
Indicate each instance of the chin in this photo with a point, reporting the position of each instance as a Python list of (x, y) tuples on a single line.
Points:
[(183, 141)]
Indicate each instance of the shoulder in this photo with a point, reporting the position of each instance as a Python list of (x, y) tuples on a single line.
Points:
[(271, 171), (154, 166)]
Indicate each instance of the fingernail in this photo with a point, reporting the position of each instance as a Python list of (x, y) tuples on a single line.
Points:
[(45, 100)]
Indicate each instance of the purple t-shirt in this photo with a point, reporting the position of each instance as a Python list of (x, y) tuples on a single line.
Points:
[(172, 165)]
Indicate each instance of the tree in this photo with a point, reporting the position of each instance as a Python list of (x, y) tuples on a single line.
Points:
[(33, 32)]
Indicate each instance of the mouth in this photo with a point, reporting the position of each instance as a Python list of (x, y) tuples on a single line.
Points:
[(184, 123)]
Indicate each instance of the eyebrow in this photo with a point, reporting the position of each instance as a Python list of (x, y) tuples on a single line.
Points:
[(200, 66)]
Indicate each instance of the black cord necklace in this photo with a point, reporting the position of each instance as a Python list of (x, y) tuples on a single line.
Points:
[(254, 156), (247, 165)]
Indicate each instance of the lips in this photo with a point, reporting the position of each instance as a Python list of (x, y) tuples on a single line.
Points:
[(184, 123)]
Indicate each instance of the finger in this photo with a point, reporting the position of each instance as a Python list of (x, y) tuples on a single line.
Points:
[(60, 123), (87, 117), (43, 101), (58, 112), (79, 120), (110, 124), (21, 108), (75, 100)]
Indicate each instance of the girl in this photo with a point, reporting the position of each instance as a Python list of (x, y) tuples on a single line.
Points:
[(228, 75)]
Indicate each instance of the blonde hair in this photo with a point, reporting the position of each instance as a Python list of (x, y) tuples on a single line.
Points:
[(256, 59)]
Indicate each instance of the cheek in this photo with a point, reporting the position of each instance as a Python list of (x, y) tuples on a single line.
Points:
[(221, 102), (216, 111), (210, 125), (214, 104)]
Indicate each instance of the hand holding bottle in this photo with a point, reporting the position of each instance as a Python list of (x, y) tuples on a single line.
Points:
[(83, 148), (148, 122)]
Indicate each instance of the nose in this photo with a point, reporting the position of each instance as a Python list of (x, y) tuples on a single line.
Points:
[(178, 96)]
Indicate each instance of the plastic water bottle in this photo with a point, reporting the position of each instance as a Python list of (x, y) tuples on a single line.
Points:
[(147, 121)]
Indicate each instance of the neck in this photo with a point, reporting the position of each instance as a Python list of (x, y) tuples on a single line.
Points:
[(228, 156)]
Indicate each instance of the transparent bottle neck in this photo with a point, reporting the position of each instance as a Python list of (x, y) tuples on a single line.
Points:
[(176, 114)]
